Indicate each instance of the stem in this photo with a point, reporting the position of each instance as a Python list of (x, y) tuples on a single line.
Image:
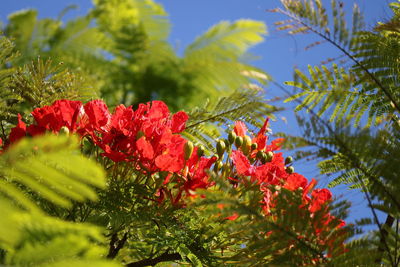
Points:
[(384, 234)]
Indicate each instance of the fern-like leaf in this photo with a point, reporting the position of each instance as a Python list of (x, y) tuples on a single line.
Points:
[(52, 168), (311, 16)]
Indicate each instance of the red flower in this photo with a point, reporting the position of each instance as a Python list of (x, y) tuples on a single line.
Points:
[(197, 176), (145, 148), (158, 111), (44, 116), (240, 128), (19, 131), (146, 135), (272, 173), (261, 138), (233, 217), (295, 181), (275, 144), (172, 156), (319, 197), (122, 119), (97, 114), (115, 156), (178, 122), (60, 113), (242, 163)]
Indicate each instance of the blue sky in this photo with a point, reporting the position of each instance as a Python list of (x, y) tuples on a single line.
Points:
[(279, 53)]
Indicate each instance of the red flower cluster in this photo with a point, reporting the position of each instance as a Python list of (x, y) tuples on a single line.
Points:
[(148, 137), (273, 175)]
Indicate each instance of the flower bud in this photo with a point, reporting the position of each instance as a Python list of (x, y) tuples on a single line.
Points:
[(231, 137), (86, 145), (227, 144), (238, 141), (270, 156), (288, 160), (188, 150), (290, 169), (217, 166), (64, 130), (246, 144), (254, 146), (220, 148), (200, 151), (260, 154), (264, 158)]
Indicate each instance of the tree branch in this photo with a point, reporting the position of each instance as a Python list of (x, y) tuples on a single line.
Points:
[(151, 262), (116, 245), (384, 233)]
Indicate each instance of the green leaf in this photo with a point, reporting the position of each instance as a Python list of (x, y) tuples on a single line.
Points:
[(53, 168), (230, 39)]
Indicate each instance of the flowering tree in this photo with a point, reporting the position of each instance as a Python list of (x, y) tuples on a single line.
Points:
[(165, 200), (82, 184)]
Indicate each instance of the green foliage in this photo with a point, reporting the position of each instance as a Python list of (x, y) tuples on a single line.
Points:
[(145, 15), (76, 44), (330, 90), (368, 87), (360, 253), (153, 231), (217, 57), (46, 165), (366, 94), (128, 57), (35, 84), (51, 168), (6, 73), (205, 123), (212, 65), (41, 83), (311, 16), (248, 241)]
